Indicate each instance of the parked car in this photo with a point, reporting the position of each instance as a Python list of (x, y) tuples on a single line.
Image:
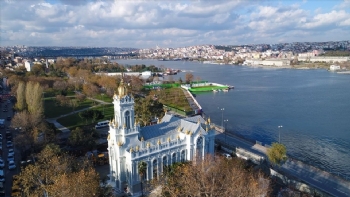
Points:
[(227, 156), (2, 190), (10, 158), (11, 151), (9, 144), (2, 163), (12, 165), (0, 136), (2, 176), (8, 117), (8, 135)]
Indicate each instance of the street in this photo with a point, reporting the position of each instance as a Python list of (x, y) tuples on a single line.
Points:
[(312, 176), (6, 111)]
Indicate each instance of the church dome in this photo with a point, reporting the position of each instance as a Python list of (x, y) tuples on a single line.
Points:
[(122, 89)]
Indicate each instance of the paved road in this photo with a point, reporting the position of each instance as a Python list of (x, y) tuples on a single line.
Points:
[(317, 178), (8, 173)]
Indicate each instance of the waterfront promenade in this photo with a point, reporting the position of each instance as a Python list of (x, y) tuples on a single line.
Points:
[(316, 178)]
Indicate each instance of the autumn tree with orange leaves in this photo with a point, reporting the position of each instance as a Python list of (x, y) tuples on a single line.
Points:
[(209, 178)]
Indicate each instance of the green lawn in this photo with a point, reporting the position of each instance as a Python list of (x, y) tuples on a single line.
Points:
[(73, 121), (52, 93), (53, 110), (104, 98), (174, 97), (206, 88)]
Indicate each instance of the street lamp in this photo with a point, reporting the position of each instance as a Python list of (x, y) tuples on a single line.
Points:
[(279, 133), (222, 117), (225, 129)]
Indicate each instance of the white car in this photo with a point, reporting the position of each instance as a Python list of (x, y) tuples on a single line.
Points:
[(227, 156), (2, 163), (12, 165)]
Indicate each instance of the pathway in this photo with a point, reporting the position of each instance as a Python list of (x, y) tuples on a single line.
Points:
[(64, 129), (191, 100)]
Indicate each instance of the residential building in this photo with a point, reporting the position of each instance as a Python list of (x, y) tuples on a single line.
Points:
[(28, 65)]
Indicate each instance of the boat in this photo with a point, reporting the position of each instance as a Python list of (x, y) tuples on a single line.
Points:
[(225, 90), (215, 90), (230, 87)]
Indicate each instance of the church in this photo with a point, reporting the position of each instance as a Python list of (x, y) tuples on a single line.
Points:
[(173, 139)]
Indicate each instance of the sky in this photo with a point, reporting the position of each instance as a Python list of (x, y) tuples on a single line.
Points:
[(171, 23)]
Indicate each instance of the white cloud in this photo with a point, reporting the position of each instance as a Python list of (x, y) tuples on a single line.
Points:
[(167, 23), (331, 18)]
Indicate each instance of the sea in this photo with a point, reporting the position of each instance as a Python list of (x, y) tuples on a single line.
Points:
[(312, 108)]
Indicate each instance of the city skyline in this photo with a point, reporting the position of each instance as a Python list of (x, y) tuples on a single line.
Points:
[(146, 24)]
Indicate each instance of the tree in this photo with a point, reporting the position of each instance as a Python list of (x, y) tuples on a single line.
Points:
[(277, 153), (57, 174), (91, 114), (34, 93), (31, 126), (142, 168), (189, 77), (21, 103), (147, 108), (180, 81), (76, 137), (37, 69), (62, 100), (90, 90), (80, 97), (209, 177), (73, 103), (61, 86)]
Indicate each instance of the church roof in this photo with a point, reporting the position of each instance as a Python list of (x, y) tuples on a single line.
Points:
[(169, 118), (170, 124)]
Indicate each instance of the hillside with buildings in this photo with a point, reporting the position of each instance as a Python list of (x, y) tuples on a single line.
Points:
[(299, 55)]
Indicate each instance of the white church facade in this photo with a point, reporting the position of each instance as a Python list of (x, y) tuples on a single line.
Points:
[(172, 140)]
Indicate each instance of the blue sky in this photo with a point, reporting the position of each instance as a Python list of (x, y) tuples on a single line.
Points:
[(171, 23)]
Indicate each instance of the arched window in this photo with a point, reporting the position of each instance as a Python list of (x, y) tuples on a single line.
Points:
[(199, 147), (155, 169), (183, 156), (173, 160), (165, 163), (127, 119)]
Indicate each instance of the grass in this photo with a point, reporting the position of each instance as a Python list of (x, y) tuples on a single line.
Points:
[(73, 121), (52, 93), (174, 97), (53, 110), (206, 88), (104, 98)]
